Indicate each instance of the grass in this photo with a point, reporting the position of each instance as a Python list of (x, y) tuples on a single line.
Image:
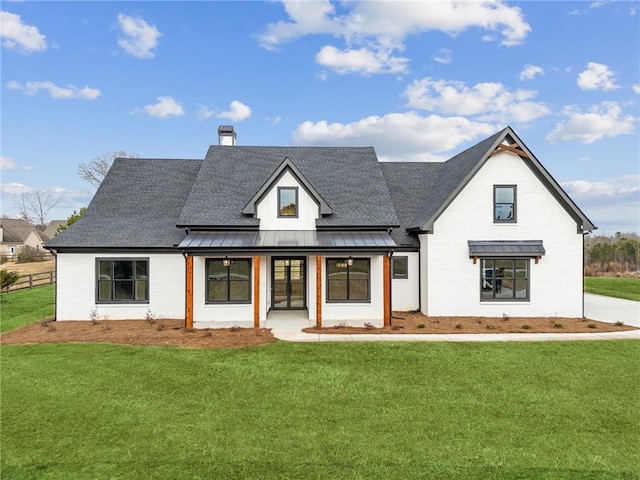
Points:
[(556, 410), (22, 307), (628, 288)]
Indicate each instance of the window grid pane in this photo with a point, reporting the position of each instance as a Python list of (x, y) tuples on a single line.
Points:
[(122, 281), (504, 279), (348, 280), (231, 284)]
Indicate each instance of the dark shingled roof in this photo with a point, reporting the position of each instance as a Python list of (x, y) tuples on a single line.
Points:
[(410, 184), (456, 172), (145, 203), (349, 179), (137, 206)]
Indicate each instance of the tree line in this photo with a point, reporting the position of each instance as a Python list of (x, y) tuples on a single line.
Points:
[(612, 254)]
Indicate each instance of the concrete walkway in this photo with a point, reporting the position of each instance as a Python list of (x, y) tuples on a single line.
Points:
[(597, 307)]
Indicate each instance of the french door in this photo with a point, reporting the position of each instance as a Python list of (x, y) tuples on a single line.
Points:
[(288, 283)]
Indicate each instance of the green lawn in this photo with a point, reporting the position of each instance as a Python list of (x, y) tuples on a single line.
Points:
[(628, 288), (21, 307), (556, 410)]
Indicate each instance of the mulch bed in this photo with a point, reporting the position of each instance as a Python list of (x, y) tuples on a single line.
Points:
[(136, 332), (172, 333), (416, 322)]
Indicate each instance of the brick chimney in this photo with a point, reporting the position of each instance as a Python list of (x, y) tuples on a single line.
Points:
[(226, 135)]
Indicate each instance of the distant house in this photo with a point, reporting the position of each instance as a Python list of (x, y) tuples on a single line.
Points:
[(328, 231), (52, 228), (16, 233)]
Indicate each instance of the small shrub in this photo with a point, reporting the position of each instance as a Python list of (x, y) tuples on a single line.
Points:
[(458, 326), (420, 325), (235, 328), (150, 317), (94, 316), (28, 254), (526, 327), (160, 327), (558, 325), (491, 327), (342, 324), (506, 317), (8, 278), (592, 325), (369, 325), (619, 324)]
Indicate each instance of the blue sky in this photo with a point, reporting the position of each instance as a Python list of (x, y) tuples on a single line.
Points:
[(418, 81)]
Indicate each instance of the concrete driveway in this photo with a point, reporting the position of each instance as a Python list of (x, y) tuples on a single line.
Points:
[(612, 310)]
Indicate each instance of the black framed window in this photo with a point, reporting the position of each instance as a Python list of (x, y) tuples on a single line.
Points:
[(120, 280), (400, 267), (287, 201), (228, 280), (348, 280), (504, 279), (504, 203)]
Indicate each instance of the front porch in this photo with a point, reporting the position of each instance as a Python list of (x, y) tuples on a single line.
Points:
[(288, 290)]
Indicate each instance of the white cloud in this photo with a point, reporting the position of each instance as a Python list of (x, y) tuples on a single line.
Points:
[(636, 89), (139, 38), (7, 163), (613, 204), (604, 120), (530, 71), (373, 31), (165, 108), (69, 91), (14, 189), (362, 60), (443, 56), (596, 77), (490, 101), (237, 112), (205, 112), (396, 136), (18, 36)]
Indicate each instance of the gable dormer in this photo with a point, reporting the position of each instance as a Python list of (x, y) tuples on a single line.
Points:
[(287, 201)]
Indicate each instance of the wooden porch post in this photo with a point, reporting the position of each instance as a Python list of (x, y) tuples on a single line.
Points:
[(189, 294), (256, 292), (318, 291), (386, 292)]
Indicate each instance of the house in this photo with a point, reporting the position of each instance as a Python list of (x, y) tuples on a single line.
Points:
[(329, 231), (17, 233)]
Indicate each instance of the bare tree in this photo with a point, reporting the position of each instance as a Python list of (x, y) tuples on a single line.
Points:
[(35, 206), (95, 170), (22, 204)]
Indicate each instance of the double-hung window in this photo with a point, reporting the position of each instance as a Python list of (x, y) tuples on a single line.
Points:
[(122, 280), (504, 204), (288, 202), (399, 267), (504, 279), (228, 280), (348, 280)]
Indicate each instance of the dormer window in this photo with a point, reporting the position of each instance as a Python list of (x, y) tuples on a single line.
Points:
[(288, 202), (504, 204)]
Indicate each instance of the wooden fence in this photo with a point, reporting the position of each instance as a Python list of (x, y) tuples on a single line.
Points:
[(34, 280)]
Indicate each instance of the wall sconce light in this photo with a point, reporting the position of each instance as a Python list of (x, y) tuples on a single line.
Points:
[(226, 262), (287, 263), (350, 261)]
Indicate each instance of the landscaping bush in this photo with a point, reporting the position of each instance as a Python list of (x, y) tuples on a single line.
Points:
[(8, 278), (29, 254)]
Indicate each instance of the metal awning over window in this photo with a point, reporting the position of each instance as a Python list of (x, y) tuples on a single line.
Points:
[(266, 241), (506, 248)]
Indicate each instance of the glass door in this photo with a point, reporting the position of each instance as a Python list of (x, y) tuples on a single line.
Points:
[(288, 283)]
